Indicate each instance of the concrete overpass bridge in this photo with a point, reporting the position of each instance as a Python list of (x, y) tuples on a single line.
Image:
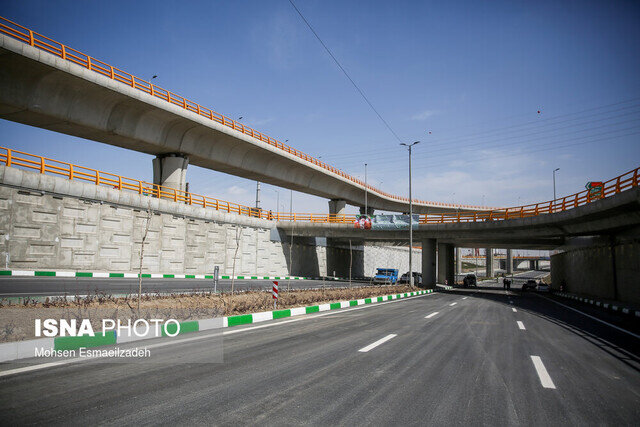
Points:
[(47, 84), (609, 219), (590, 223), (50, 85)]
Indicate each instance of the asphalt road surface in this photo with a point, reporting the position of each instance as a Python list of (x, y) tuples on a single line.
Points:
[(464, 357), (58, 286)]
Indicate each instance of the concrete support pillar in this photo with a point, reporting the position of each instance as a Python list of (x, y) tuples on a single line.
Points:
[(336, 206), (489, 262), (509, 261), (429, 263), (458, 261), (369, 211), (339, 257), (170, 170), (446, 264)]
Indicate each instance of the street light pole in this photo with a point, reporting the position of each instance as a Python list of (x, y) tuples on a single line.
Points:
[(365, 190), (554, 182), (410, 216)]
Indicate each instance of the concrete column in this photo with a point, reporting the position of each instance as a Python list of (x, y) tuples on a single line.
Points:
[(369, 211), (170, 170), (489, 262), (429, 263), (509, 261), (446, 263), (458, 261), (338, 255), (336, 206)]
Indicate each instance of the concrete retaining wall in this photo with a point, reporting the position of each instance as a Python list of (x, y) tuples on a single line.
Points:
[(53, 223), (608, 271)]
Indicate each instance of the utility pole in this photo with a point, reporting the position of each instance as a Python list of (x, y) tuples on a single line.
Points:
[(366, 190), (291, 244), (554, 182), (410, 216)]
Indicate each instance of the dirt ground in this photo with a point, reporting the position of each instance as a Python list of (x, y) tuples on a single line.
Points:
[(17, 321)]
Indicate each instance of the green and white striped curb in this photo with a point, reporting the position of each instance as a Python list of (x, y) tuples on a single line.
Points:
[(608, 306), (26, 349), (102, 274), (245, 319)]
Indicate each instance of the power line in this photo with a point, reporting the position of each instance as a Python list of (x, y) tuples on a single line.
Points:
[(511, 141), (554, 145), (345, 72), (539, 123), (550, 129)]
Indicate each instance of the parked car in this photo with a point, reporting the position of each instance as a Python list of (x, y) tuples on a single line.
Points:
[(386, 275), (470, 281), (543, 287), (417, 278), (530, 284)]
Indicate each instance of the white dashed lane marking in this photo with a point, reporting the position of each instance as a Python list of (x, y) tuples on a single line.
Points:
[(430, 315), (377, 343), (545, 379), (521, 325)]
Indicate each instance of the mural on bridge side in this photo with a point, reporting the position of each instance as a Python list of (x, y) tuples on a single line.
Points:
[(385, 222)]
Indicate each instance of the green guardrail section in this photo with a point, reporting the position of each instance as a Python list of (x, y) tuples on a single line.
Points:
[(243, 319), (74, 343), (185, 327)]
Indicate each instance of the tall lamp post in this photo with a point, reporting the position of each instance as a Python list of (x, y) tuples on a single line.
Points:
[(410, 215), (366, 190), (554, 182)]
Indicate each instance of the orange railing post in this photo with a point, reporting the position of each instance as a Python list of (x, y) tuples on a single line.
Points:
[(8, 161), (70, 171)]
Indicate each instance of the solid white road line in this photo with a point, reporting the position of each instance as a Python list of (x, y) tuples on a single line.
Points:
[(591, 317), (431, 315), (514, 310), (545, 379), (521, 325), (377, 343), (452, 304)]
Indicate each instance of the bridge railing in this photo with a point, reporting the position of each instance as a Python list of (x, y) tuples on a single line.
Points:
[(51, 46), (45, 165)]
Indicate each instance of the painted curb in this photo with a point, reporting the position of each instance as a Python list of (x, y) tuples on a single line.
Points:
[(605, 305), (25, 349)]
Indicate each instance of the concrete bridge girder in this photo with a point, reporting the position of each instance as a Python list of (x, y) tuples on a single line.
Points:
[(43, 90)]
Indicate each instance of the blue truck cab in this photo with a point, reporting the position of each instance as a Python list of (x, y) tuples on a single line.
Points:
[(386, 275)]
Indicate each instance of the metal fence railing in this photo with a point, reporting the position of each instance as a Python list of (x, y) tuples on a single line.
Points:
[(44, 165)]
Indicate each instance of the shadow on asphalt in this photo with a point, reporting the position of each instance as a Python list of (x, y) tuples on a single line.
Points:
[(620, 345)]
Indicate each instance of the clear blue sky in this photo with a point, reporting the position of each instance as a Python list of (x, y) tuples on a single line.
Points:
[(473, 73)]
